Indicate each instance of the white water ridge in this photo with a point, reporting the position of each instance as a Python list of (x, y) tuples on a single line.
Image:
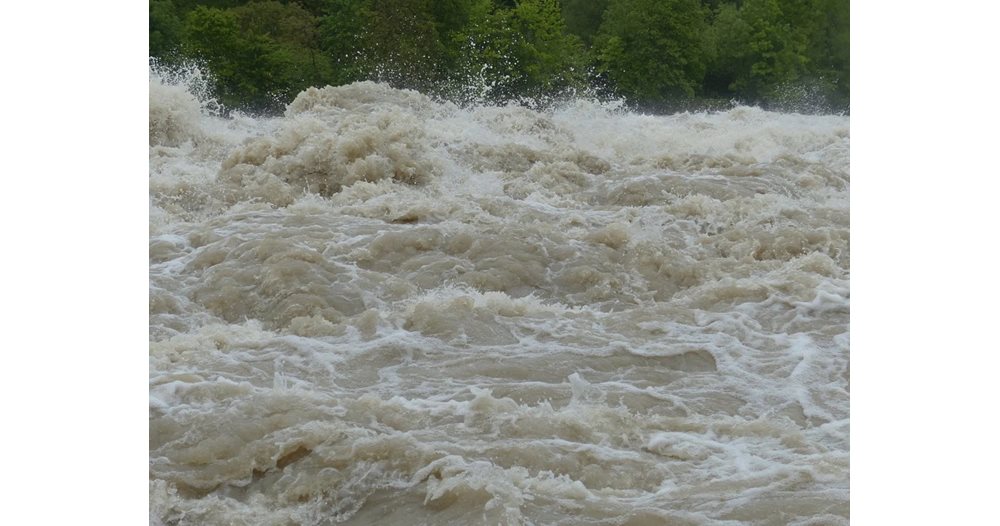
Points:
[(384, 309)]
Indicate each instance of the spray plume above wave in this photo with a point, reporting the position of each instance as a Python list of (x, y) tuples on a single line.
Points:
[(382, 308)]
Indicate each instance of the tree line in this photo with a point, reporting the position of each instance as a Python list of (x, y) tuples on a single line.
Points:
[(660, 55)]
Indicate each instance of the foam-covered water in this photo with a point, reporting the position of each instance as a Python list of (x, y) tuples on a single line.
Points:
[(382, 309)]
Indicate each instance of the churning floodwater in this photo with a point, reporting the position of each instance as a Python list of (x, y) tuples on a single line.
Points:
[(383, 309)]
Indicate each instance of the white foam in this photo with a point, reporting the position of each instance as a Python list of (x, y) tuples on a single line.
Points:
[(384, 309)]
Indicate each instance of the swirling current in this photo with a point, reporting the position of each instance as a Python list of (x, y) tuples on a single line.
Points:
[(384, 309)]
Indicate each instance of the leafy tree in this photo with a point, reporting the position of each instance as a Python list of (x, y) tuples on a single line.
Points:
[(316, 8), (451, 16), (778, 48), (391, 40), (551, 57), (652, 50), (728, 53), (186, 6), (488, 49), (583, 17), (774, 49), (830, 46), (295, 37), (786, 51), (403, 41), (243, 63), (164, 28), (522, 51), (655, 52), (343, 40)]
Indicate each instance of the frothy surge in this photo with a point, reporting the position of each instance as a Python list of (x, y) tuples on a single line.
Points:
[(383, 309)]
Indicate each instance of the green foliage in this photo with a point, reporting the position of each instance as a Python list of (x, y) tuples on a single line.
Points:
[(830, 47), (294, 37), (656, 53), (524, 51), (402, 43), (488, 47), (583, 17), (652, 50), (186, 6), (342, 39), (261, 53), (242, 63), (552, 58), (777, 48), (451, 15), (774, 49), (164, 28), (728, 54), (391, 40)]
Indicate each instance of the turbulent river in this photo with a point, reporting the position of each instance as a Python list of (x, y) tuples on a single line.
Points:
[(383, 309)]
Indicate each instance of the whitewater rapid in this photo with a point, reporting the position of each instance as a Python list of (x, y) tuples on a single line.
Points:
[(384, 309)]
